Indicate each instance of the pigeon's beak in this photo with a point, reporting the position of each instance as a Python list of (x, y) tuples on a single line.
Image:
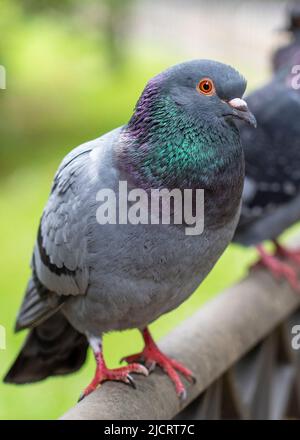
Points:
[(241, 111)]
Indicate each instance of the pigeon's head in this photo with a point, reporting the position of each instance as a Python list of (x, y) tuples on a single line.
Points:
[(184, 126), (205, 90)]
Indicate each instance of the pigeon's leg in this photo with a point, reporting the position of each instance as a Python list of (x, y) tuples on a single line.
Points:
[(152, 356), (103, 373), (290, 254), (278, 268)]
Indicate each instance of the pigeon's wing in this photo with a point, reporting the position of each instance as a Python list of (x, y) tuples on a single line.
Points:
[(60, 253), (60, 262), (257, 228)]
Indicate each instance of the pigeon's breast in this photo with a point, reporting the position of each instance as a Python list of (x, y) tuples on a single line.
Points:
[(141, 272)]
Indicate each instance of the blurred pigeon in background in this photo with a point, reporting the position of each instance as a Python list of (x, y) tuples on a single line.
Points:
[(90, 278), (289, 54), (271, 197)]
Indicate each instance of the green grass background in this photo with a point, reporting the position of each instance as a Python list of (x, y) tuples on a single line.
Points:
[(59, 94)]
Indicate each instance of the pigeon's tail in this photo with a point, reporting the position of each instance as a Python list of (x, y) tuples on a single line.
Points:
[(52, 348)]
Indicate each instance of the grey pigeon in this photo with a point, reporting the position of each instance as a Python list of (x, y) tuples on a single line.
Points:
[(271, 197), (89, 278)]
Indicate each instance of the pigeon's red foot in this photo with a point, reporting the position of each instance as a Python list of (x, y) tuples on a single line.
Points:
[(290, 254), (103, 374), (278, 268), (152, 356)]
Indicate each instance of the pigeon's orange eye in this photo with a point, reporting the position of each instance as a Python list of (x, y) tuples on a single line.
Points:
[(206, 86)]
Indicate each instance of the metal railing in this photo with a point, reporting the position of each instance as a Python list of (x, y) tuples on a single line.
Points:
[(239, 347)]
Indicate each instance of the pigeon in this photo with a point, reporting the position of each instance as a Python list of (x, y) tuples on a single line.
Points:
[(290, 53), (271, 195), (90, 276)]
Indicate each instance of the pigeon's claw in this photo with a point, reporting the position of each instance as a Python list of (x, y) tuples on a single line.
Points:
[(183, 370), (152, 356), (122, 374), (278, 268), (138, 357)]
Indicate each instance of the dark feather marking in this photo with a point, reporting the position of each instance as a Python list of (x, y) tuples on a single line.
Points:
[(38, 305), (46, 260)]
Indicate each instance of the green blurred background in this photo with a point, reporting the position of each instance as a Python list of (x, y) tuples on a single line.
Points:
[(74, 71)]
